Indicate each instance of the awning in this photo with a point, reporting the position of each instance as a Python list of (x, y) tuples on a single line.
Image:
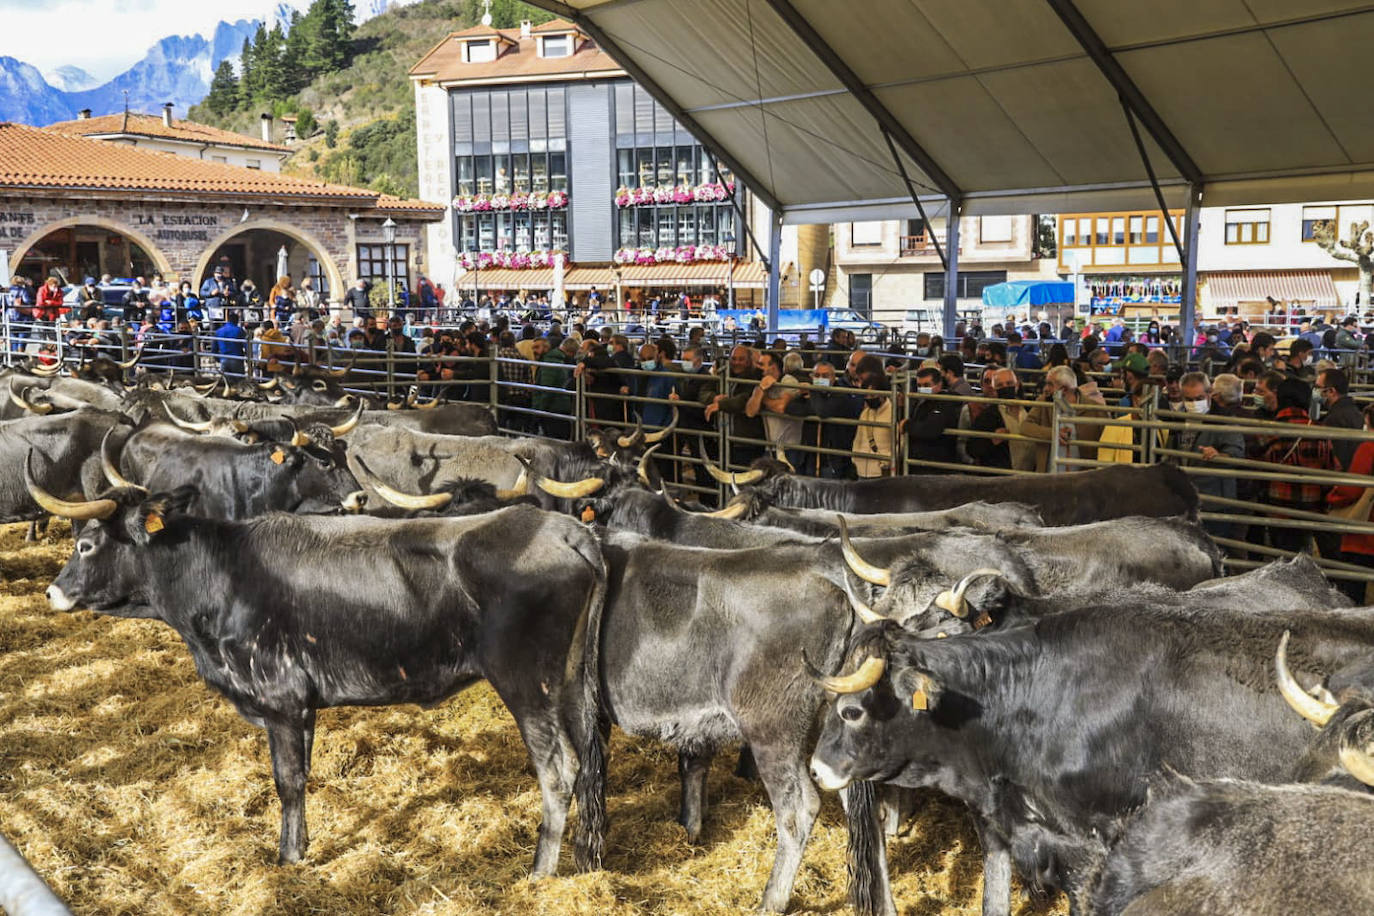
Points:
[(1029, 292), (536, 279), (1226, 289), (746, 275)]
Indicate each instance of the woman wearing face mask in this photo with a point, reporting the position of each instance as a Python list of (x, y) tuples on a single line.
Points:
[(1357, 548), (1209, 442), (873, 438), (1151, 336)]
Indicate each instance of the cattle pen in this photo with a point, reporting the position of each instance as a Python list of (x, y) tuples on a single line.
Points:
[(133, 790)]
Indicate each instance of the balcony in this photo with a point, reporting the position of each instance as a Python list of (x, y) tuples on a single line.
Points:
[(919, 246)]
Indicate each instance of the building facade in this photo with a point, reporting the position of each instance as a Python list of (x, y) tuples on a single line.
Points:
[(165, 134), (890, 270), (90, 207), (544, 150)]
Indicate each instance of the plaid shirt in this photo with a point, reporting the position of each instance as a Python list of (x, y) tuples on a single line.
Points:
[(1306, 453), (513, 372)]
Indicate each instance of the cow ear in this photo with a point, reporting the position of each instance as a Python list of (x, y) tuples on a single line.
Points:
[(917, 688), (989, 600), (155, 512)]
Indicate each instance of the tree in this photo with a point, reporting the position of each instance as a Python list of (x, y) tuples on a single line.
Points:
[(269, 57), (248, 79), (1358, 248), (306, 124), (1046, 237), (224, 89), (331, 133)]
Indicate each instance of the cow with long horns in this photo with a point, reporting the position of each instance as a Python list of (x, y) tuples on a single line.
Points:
[(287, 614)]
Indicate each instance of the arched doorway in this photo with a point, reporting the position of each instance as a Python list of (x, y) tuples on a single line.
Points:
[(254, 251), (83, 247)]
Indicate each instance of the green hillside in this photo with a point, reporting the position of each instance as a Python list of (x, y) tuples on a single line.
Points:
[(356, 112)]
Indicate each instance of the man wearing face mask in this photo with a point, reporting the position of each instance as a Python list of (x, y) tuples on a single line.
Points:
[(927, 429), (1001, 419), (1299, 356), (818, 401), (1209, 442), (873, 438)]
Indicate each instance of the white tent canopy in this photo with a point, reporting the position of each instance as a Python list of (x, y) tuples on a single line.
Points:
[(1010, 106)]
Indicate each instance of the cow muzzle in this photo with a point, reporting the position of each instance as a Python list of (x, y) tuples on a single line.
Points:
[(825, 777), (59, 599)]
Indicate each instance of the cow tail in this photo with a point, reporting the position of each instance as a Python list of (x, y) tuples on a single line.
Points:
[(867, 852), (590, 785)]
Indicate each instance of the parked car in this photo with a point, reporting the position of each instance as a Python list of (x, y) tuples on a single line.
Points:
[(111, 293), (863, 327)]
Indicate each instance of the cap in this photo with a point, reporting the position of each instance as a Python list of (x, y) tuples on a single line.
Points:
[(1173, 373), (90, 281), (1134, 362), (218, 269)]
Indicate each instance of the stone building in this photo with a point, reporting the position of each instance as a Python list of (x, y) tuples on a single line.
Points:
[(80, 207), (165, 134)]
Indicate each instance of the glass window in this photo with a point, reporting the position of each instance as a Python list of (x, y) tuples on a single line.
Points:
[(560, 229), (706, 174), (725, 225), (482, 167), (504, 237), (1313, 215), (687, 225), (372, 263), (1070, 232), (253, 163), (541, 230), (1104, 234), (644, 162), (994, 229), (1137, 230), (479, 51), (539, 171), (466, 177), (870, 233), (1247, 227), (555, 46), (627, 238), (467, 233), (486, 232), (520, 172), (502, 182), (1118, 230), (625, 160), (706, 229), (558, 171), (645, 216), (686, 164), (664, 175), (524, 238), (317, 275), (665, 226), (1152, 230)]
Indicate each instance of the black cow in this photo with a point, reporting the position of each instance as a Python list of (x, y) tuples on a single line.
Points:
[(70, 446), (1076, 498), (287, 614), (1226, 846), (232, 480), (751, 506), (1049, 731)]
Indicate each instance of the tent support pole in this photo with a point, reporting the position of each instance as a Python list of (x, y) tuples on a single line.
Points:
[(1187, 317), (956, 209), (774, 269)]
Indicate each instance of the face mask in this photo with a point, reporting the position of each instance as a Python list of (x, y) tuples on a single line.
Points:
[(1257, 401), (925, 389), (875, 403), (648, 364), (1202, 405), (821, 382), (1007, 392)]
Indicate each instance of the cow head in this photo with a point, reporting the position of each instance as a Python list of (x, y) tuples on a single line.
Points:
[(876, 713), (1342, 711), (992, 578), (106, 571)]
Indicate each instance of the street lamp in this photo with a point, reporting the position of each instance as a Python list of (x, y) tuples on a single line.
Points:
[(729, 240), (476, 277), (389, 236)]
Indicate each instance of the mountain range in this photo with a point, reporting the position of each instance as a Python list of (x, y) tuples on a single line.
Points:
[(176, 69)]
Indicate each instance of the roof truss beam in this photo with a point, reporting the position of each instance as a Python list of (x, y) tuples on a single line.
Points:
[(1120, 80), (636, 72), (856, 87)]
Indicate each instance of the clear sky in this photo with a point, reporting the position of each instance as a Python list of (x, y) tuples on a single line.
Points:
[(106, 37)]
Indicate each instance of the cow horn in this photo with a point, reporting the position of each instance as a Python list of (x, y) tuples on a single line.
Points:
[(396, 497), (23, 401), (735, 478), (865, 570), (782, 456), (340, 373), (210, 387), (663, 433), (953, 600), (867, 674), (433, 403), (298, 438), (81, 511), (633, 438), (268, 386), (393, 405), (111, 469), (186, 424), (574, 490), (864, 612), (1318, 712), (522, 486), (133, 361), (239, 426), (1358, 763), (734, 511), (644, 465), (347, 426), (46, 371)]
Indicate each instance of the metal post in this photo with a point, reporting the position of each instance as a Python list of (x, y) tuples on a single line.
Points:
[(730, 284), (1052, 465), (899, 455), (1188, 303), (9, 342), (390, 370), (956, 208), (580, 408), (722, 427), (774, 269), (494, 397)]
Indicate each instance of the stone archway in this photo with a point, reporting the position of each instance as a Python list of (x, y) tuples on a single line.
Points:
[(160, 261), (305, 239)]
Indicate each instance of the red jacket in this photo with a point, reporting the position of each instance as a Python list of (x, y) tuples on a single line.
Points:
[(1345, 494), (48, 306)]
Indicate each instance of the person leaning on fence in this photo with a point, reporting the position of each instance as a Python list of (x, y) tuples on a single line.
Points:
[(229, 345), (873, 439), (554, 377), (929, 426), (991, 452), (1354, 503), (819, 402), (769, 399), (1061, 383), (1208, 442), (1293, 397), (743, 372)]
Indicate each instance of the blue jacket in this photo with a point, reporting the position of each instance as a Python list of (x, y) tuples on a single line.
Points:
[(229, 341), (1025, 358), (659, 415)]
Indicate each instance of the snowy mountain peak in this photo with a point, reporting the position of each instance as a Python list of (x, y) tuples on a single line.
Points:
[(70, 78)]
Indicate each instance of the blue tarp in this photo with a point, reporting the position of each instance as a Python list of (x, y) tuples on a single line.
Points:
[(1029, 292), (788, 319)]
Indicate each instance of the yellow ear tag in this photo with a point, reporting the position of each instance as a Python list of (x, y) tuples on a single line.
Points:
[(278, 456), (919, 700), (589, 515), (152, 523)]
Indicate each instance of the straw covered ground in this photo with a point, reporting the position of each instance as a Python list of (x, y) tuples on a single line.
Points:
[(134, 790)]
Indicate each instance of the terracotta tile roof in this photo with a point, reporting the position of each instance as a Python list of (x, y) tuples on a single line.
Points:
[(389, 202), (35, 158), (146, 125), (518, 58)]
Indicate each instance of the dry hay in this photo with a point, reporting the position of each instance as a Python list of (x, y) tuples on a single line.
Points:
[(134, 790)]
